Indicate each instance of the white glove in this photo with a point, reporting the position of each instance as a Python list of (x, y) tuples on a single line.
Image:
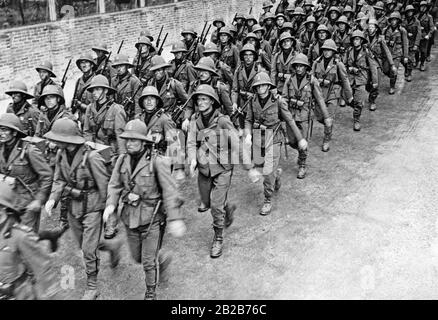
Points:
[(193, 167), (49, 207), (248, 140), (108, 211), (254, 175), (302, 144), (185, 125), (177, 228), (328, 122)]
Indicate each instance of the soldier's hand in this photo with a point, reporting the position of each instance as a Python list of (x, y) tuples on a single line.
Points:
[(234, 106), (179, 175), (109, 210), (49, 207), (415, 48), (375, 85), (302, 144), (34, 206), (405, 60), (394, 69), (176, 228), (281, 75), (185, 125), (254, 175), (328, 122), (426, 37), (193, 165)]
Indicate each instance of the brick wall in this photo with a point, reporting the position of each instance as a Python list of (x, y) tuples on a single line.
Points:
[(22, 48)]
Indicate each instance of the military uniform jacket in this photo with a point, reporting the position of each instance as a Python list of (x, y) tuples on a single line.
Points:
[(270, 115), (38, 90), (331, 26), (342, 41), (279, 65), (366, 64), (380, 50), (109, 72), (413, 27), (225, 74), (28, 115), (81, 93), (308, 91), (241, 90), (20, 252), (172, 92), (196, 53), (214, 38), (89, 175), (266, 47), (211, 145), (427, 25), (106, 125), (184, 73), (306, 38), (397, 41), (45, 125), (151, 183), (142, 66), (222, 91), (230, 56), (314, 51), (271, 35), (160, 125), (33, 174), (125, 88), (337, 77)]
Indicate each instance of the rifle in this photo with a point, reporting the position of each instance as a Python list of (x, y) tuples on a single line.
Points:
[(128, 103), (310, 121), (157, 44), (203, 30), (239, 111), (106, 64), (205, 36), (250, 11), (178, 110), (162, 44), (120, 47), (64, 78), (234, 19)]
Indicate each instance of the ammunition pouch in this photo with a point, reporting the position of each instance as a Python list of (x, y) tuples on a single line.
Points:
[(7, 289), (325, 83), (76, 194), (353, 70), (296, 104)]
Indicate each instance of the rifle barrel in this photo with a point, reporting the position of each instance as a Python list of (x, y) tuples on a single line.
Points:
[(120, 47)]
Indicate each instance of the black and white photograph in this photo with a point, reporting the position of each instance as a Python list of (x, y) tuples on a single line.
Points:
[(218, 151)]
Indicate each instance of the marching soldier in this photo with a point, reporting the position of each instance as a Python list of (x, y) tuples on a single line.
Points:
[(250, 22), (243, 77), (319, 15), (142, 61), (299, 18), (209, 135), (362, 69), (308, 7), (280, 19), (265, 113), (194, 48), (26, 166), (307, 37), (259, 31), (218, 23), (264, 59), (103, 65), (390, 7), (81, 97), (281, 68), (332, 76), (21, 255), (127, 86), (322, 34), (341, 36), (143, 183), (45, 71), (397, 39), (82, 175), (413, 28), (333, 15), (267, 5), (27, 113), (290, 11), (271, 30), (171, 90), (300, 91), (379, 49), (427, 29), (224, 70), (239, 23), (181, 68), (381, 18), (229, 54), (349, 14)]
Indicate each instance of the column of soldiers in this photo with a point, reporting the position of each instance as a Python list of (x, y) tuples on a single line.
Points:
[(108, 160)]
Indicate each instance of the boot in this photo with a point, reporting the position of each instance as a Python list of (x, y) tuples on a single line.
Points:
[(114, 249), (267, 207), (408, 77), (164, 260), (91, 293), (417, 64), (110, 232), (217, 245), (150, 293), (277, 184), (422, 67), (428, 59), (356, 125), (229, 214), (302, 170), (327, 137), (203, 208), (373, 106)]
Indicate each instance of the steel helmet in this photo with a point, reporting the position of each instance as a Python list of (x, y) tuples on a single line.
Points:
[(249, 47), (423, 3), (330, 45), (52, 90), (379, 6), (290, 7), (220, 19), (122, 59), (269, 15), (343, 19), (286, 35), (301, 58), (310, 19), (65, 130), (251, 35), (287, 26), (85, 57), (267, 4), (225, 30), (323, 27), (150, 91), (146, 33), (319, 7), (348, 9), (361, 16), (207, 64), (299, 12), (280, 15), (257, 28), (395, 15), (146, 41), (47, 66), (373, 21), (360, 34), (135, 129), (157, 62), (262, 78), (333, 8), (239, 16), (409, 8), (100, 81), (211, 48), (8, 195), (101, 47), (251, 17), (308, 3), (179, 46), (189, 31), (19, 87), (11, 121), (206, 90)]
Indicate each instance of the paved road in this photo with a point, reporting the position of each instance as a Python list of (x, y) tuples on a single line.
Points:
[(362, 225)]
